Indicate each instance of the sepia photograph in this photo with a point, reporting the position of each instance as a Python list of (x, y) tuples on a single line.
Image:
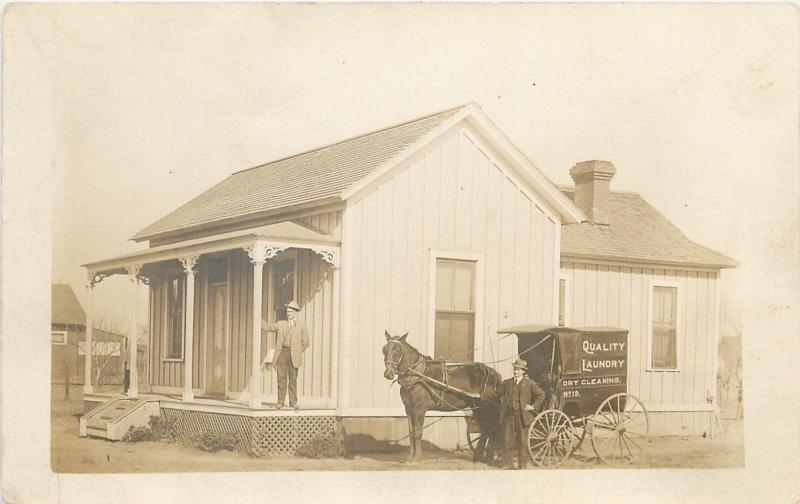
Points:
[(511, 242)]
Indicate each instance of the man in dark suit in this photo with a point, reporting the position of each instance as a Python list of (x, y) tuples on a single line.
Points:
[(291, 341), (521, 399)]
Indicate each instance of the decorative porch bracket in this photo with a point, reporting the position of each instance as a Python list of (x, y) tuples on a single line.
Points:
[(133, 386), (329, 255), (188, 262)]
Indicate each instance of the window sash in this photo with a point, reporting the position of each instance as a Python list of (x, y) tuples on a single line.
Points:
[(58, 337), (664, 330), (454, 330), (176, 292), (283, 286)]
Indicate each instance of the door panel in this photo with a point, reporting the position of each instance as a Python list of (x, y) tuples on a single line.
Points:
[(217, 325)]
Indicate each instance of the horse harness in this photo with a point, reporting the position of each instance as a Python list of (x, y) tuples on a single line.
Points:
[(415, 375)]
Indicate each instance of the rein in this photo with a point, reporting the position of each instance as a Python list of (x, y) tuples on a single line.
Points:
[(415, 374)]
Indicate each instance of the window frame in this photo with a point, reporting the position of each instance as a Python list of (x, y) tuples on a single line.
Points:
[(268, 301), (168, 275), (567, 300), (62, 333), (678, 326), (478, 293)]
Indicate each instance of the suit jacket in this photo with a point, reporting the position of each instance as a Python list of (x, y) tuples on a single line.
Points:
[(297, 337), (516, 398)]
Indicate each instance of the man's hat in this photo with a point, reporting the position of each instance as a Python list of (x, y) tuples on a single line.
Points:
[(292, 305), (519, 363)]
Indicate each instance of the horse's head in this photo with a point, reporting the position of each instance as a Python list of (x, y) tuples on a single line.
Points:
[(393, 354)]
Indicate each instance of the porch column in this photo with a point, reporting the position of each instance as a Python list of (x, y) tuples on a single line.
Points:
[(87, 354), (133, 387), (188, 262), (258, 256)]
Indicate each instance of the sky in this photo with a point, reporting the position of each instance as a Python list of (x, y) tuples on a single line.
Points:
[(152, 104)]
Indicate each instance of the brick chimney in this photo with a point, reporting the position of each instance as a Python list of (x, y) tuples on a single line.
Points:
[(592, 182)]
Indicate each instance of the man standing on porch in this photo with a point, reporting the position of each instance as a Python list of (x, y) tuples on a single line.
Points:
[(291, 341)]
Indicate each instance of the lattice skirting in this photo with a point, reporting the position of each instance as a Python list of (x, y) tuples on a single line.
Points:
[(258, 436)]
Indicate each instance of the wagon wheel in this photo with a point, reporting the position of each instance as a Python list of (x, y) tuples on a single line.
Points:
[(619, 428), (473, 433), (579, 432), (551, 438)]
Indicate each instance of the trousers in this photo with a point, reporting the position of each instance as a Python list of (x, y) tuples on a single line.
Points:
[(516, 439), (286, 373)]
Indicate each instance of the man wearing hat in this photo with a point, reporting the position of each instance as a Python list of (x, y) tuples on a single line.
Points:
[(291, 341), (521, 398)]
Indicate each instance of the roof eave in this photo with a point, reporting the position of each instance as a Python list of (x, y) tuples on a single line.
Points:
[(569, 213), (656, 262), (221, 223)]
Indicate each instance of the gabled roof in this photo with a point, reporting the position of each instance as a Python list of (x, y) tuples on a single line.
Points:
[(311, 176), (636, 232), (329, 174), (65, 306)]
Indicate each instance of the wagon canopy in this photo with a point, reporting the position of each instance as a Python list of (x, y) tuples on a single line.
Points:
[(547, 328)]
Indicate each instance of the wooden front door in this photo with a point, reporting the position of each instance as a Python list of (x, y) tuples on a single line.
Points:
[(217, 328)]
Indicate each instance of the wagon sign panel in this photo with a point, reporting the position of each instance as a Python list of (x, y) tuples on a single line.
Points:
[(594, 367)]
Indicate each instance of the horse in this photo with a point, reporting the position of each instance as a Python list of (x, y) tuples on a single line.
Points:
[(433, 385)]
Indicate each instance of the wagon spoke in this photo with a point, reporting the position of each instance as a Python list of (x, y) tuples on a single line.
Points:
[(544, 445), (611, 421), (634, 443), (538, 432), (637, 434), (607, 427)]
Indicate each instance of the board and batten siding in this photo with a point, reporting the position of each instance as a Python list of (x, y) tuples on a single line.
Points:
[(315, 295), (619, 296), (169, 372), (326, 222), (457, 196)]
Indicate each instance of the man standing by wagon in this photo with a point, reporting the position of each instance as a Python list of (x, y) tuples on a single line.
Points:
[(521, 397), (291, 341)]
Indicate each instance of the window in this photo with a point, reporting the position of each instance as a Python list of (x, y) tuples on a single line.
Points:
[(217, 271), (175, 302), (570, 348), (562, 301), (282, 287), (455, 310), (664, 328), (59, 337)]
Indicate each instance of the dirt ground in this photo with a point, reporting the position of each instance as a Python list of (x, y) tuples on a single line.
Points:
[(73, 454)]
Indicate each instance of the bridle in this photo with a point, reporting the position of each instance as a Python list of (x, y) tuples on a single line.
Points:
[(387, 359)]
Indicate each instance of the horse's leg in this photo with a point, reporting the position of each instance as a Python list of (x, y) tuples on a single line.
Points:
[(419, 425), (411, 445)]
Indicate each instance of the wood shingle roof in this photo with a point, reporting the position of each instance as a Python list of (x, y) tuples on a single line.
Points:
[(326, 173), (65, 308), (636, 232)]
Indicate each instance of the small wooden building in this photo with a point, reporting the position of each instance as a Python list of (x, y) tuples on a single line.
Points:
[(67, 332), (439, 227), (628, 266)]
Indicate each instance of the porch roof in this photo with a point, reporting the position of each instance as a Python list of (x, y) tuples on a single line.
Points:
[(286, 234)]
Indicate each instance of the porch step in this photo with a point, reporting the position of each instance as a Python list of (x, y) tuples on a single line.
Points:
[(112, 419)]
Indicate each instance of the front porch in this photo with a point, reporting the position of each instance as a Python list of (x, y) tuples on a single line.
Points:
[(210, 301), (261, 431)]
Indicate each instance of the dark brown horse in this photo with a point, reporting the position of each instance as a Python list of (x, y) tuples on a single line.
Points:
[(431, 385)]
